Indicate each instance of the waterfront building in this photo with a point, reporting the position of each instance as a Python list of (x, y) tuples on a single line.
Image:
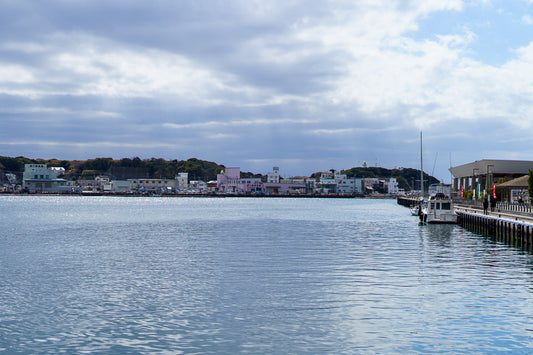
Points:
[(40, 178), (249, 186), (228, 180), (182, 182), (369, 185), (122, 186), (285, 187), (347, 185), (327, 184), (393, 187), (153, 185), (212, 186), (309, 183), (481, 175), (197, 186), (273, 176), (514, 191), (99, 183), (295, 185)]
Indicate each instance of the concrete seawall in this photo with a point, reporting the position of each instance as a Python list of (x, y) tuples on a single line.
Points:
[(510, 228)]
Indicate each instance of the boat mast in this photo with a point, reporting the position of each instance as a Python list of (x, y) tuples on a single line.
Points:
[(421, 168)]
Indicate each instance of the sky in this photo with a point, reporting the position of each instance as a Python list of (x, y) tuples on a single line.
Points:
[(305, 85)]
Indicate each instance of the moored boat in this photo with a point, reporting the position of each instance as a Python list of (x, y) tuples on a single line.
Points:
[(439, 209)]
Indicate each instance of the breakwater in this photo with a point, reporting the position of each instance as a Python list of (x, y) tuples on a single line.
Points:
[(407, 201)]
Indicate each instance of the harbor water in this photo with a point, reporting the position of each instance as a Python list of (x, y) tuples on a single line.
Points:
[(133, 275)]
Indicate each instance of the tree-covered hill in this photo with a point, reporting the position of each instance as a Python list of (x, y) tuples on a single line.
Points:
[(149, 168)]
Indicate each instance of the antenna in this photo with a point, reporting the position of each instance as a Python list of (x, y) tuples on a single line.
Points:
[(434, 163), (451, 176), (421, 167)]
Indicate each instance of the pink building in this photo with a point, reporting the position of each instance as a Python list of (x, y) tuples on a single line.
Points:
[(229, 181)]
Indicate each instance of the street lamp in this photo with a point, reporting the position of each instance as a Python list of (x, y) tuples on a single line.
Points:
[(488, 179), (473, 183)]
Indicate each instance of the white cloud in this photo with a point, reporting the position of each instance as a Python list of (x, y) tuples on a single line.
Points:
[(527, 20), (307, 73), (15, 74), (236, 123)]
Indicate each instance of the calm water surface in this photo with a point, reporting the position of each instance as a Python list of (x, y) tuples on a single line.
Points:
[(222, 276)]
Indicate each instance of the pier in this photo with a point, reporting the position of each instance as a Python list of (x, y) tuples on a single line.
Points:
[(407, 201), (509, 224)]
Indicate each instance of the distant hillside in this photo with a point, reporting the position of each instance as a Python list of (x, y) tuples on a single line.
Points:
[(123, 168), (408, 178)]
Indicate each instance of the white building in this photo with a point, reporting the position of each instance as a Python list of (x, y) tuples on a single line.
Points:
[(327, 184), (40, 178), (273, 176), (347, 185), (339, 184), (393, 187), (182, 182)]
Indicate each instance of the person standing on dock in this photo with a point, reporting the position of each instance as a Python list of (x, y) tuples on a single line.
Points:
[(492, 203), (485, 205)]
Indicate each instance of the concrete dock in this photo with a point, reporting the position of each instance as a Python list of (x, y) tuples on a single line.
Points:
[(509, 223), (514, 228)]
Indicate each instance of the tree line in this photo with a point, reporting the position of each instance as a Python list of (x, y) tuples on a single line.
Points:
[(153, 168)]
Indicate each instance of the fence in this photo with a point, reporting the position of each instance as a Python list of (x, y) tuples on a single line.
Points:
[(500, 206)]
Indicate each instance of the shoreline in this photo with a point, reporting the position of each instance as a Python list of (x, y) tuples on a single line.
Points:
[(208, 195)]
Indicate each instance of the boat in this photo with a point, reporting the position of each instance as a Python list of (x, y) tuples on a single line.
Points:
[(439, 209), (415, 210)]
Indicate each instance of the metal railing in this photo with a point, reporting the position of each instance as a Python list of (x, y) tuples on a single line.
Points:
[(519, 208)]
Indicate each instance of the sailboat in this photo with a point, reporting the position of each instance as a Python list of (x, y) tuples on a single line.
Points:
[(439, 208)]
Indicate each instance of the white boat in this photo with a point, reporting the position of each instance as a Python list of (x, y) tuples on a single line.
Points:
[(439, 209), (415, 208)]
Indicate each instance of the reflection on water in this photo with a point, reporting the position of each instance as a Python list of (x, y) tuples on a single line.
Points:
[(145, 275)]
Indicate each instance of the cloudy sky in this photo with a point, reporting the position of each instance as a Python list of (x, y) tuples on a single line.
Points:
[(300, 84)]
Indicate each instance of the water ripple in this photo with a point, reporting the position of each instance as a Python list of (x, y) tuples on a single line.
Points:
[(211, 276)]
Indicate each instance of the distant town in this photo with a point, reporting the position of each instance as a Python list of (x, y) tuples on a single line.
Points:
[(130, 177), (506, 180), (39, 178)]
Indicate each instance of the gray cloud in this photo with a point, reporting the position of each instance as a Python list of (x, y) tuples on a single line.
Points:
[(315, 85)]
